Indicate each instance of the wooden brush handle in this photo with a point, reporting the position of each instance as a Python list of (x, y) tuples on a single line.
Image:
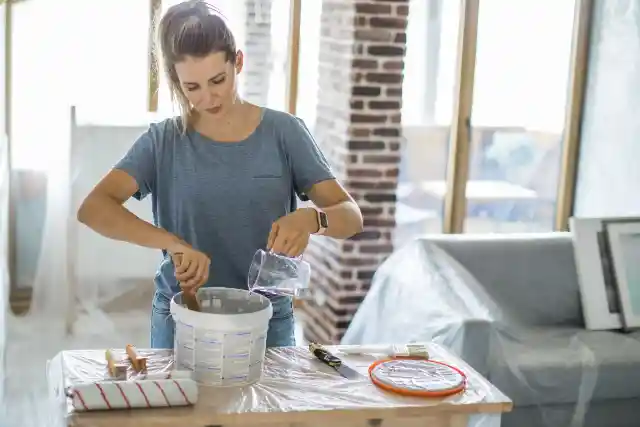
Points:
[(191, 300), (111, 364), (138, 363)]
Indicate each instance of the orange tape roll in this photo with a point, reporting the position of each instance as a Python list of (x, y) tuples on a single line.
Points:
[(417, 377)]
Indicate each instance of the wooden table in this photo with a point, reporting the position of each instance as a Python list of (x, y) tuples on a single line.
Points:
[(299, 391)]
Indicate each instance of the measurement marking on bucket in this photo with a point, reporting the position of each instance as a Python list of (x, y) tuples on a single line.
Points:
[(236, 356), (241, 378)]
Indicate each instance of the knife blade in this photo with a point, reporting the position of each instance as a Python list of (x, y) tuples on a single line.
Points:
[(334, 362)]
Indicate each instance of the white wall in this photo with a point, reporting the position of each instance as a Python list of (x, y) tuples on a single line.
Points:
[(609, 168)]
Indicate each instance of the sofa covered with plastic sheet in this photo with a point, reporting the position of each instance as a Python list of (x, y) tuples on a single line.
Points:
[(510, 306)]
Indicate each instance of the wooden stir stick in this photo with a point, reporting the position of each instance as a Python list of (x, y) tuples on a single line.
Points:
[(190, 299)]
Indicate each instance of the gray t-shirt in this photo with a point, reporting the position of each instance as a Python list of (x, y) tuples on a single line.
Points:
[(221, 197)]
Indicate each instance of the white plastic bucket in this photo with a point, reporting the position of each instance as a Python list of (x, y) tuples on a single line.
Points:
[(224, 344)]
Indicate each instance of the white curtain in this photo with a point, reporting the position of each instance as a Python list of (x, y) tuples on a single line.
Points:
[(69, 55)]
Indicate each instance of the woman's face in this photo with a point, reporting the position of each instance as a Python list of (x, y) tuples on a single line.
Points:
[(209, 83)]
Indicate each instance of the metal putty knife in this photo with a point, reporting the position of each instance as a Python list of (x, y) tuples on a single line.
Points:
[(330, 360)]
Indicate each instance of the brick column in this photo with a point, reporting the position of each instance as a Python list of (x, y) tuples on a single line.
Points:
[(358, 127), (258, 64)]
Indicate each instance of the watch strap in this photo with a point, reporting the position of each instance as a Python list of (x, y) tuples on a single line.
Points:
[(321, 217)]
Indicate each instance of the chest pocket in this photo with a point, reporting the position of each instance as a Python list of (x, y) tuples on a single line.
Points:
[(271, 183), (268, 175)]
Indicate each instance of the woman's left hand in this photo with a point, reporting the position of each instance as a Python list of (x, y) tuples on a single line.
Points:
[(290, 234)]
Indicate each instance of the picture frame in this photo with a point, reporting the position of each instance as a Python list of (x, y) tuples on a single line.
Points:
[(624, 242), (598, 293)]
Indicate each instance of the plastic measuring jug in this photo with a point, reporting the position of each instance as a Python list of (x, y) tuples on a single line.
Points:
[(276, 274)]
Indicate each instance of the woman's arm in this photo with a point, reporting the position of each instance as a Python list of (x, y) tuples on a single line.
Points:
[(134, 175), (313, 177), (290, 234), (103, 211), (343, 214)]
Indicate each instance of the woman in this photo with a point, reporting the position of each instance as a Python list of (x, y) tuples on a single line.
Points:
[(223, 178)]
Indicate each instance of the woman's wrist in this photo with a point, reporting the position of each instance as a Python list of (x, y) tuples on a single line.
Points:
[(311, 219), (172, 243)]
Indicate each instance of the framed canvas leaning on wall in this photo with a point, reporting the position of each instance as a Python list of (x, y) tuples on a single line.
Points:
[(602, 301), (624, 244)]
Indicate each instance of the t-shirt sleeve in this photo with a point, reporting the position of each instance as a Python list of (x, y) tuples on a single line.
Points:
[(140, 163), (308, 163)]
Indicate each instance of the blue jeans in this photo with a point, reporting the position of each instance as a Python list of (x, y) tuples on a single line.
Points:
[(281, 331)]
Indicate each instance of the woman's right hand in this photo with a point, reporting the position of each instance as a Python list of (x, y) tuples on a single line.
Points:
[(191, 266)]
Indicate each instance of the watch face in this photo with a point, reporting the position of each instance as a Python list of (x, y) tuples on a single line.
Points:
[(324, 223)]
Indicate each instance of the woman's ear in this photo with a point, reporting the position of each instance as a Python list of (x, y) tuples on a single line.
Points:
[(239, 61)]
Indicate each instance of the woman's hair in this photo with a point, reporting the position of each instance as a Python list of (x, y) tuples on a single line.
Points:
[(191, 28)]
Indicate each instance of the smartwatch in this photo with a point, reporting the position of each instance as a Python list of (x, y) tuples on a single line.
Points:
[(323, 222)]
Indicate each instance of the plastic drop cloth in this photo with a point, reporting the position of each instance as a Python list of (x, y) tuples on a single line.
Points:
[(293, 381), (551, 372)]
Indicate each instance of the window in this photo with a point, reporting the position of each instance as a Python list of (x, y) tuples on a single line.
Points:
[(308, 64), (520, 96), (427, 112), (77, 59)]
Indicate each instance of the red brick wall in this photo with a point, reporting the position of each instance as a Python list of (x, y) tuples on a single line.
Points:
[(359, 129)]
